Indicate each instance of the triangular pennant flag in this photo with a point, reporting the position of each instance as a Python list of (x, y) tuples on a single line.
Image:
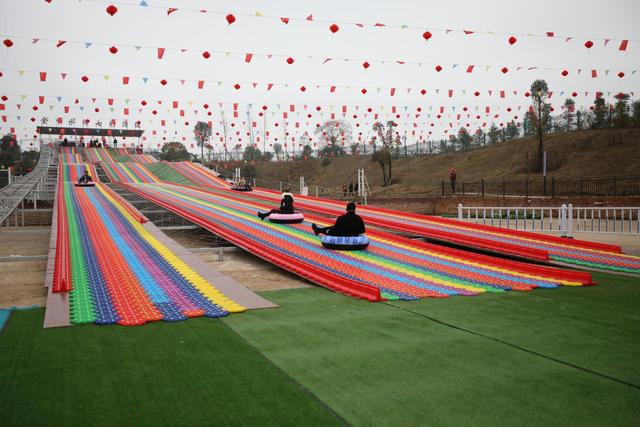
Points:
[(269, 86), (160, 52), (606, 41), (623, 45), (248, 57), (106, 78), (145, 79), (21, 72), (34, 41), (200, 84), (60, 43), (326, 60), (171, 10), (219, 83), (138, 47), (59, 98), (470, 68), (125, 80), (143, 3), (310, 17), (87, 45), (43, 76), (182, 82), (594, 73)]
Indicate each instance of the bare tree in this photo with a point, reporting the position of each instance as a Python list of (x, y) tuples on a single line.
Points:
[(382, 156), (202, 132), (539, 91), (335, 131)]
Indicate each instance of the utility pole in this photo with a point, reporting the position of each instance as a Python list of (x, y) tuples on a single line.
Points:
[(224, 133)]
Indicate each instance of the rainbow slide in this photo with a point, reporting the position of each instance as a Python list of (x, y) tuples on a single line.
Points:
[(114, 269), (392, 268), (143, 158), (97, 155), (513, 242), (128, 172), (70, 155), (198, 174)]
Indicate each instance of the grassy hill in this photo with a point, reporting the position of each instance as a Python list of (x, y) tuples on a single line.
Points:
[(574, 154)]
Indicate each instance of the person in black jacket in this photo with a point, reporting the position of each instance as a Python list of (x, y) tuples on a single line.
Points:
[(85, 178), (286, 207), (349, 224)]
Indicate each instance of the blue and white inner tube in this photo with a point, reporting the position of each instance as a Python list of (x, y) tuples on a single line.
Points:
[(280, 218), (345, 243)]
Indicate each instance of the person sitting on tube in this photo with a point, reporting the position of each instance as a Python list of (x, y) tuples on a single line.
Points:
[(85, 178), (349, 224), (286, 207)]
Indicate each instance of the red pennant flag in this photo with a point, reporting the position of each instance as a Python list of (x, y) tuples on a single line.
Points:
[(64, 75), (60, 43), (66, 109), (501, 94), (344, 109), (623, 45), (487, 109), (162, 122), (126, 111), (171, 10), (248, 57), (181, 113), (310, 17), (470, 68), (333, 116), (393, 91), (125, 80), (292, 108), (450, 93), (175, 104), (43, 76), (550, 33), (594, 73), (332, 89), (235, 106), (285, 20), (41, 100), (160, 52), (200, 84), (285, 115), (393, 109), (269, 86), (110, 101), (467, 32)]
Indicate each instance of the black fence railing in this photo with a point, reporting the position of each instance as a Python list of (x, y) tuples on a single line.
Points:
[(549, 187)]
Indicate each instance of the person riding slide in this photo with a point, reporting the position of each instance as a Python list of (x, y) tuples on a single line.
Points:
[(349, 224), (286, 207), (85, 178)]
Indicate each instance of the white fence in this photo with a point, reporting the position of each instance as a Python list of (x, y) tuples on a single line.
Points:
[(565, 219)]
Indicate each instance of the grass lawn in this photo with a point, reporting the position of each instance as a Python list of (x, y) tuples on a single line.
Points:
[(550, 357), (192, 373)]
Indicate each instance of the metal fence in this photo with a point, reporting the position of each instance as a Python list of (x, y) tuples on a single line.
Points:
[(566, 219), (549, 187)]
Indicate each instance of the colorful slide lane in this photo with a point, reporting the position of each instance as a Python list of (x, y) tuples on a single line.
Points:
[(116, 270), (198, 174), (128, 172), (97, 155), (396, 267), (70, 155), (525, 244), (143, 158)]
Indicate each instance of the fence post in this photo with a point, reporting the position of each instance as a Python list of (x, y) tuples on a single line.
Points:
[(581, 187), (615, 192), (553, 186), (482, 186), (563, 221), (503, 188), (544, 186), (463, 187), (527, 190), (459, 211), (443, 187), (570, 222)]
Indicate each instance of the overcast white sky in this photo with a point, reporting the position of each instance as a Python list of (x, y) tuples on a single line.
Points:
[(87, 21)]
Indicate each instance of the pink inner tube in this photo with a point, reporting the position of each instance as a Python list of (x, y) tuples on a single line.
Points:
[(293, 218)]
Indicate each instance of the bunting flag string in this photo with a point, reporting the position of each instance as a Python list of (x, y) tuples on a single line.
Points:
[(323, 59), (85, 78), (333, 25)]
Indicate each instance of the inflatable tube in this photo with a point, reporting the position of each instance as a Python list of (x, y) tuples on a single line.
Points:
[(247, 188), (85, 184), (293, 218), (345, 243)]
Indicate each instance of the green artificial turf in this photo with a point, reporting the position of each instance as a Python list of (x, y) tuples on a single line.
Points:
[(165, 173), (380, 364), (192, 373)]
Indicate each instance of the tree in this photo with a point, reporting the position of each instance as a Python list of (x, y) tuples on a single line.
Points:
[(174, 152), (635, 113), (251, 153), (9, 151), (528, 123), (480, 138), (539, 91), (493, 134), (621, 117), (202, 132), (512, 131), (383, 155), (569, 107), (307, 152), (335, 132), (277, 148), (599, 113), (464, 139)]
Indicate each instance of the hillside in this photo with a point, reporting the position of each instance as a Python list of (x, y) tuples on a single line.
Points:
[(574, 154)]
